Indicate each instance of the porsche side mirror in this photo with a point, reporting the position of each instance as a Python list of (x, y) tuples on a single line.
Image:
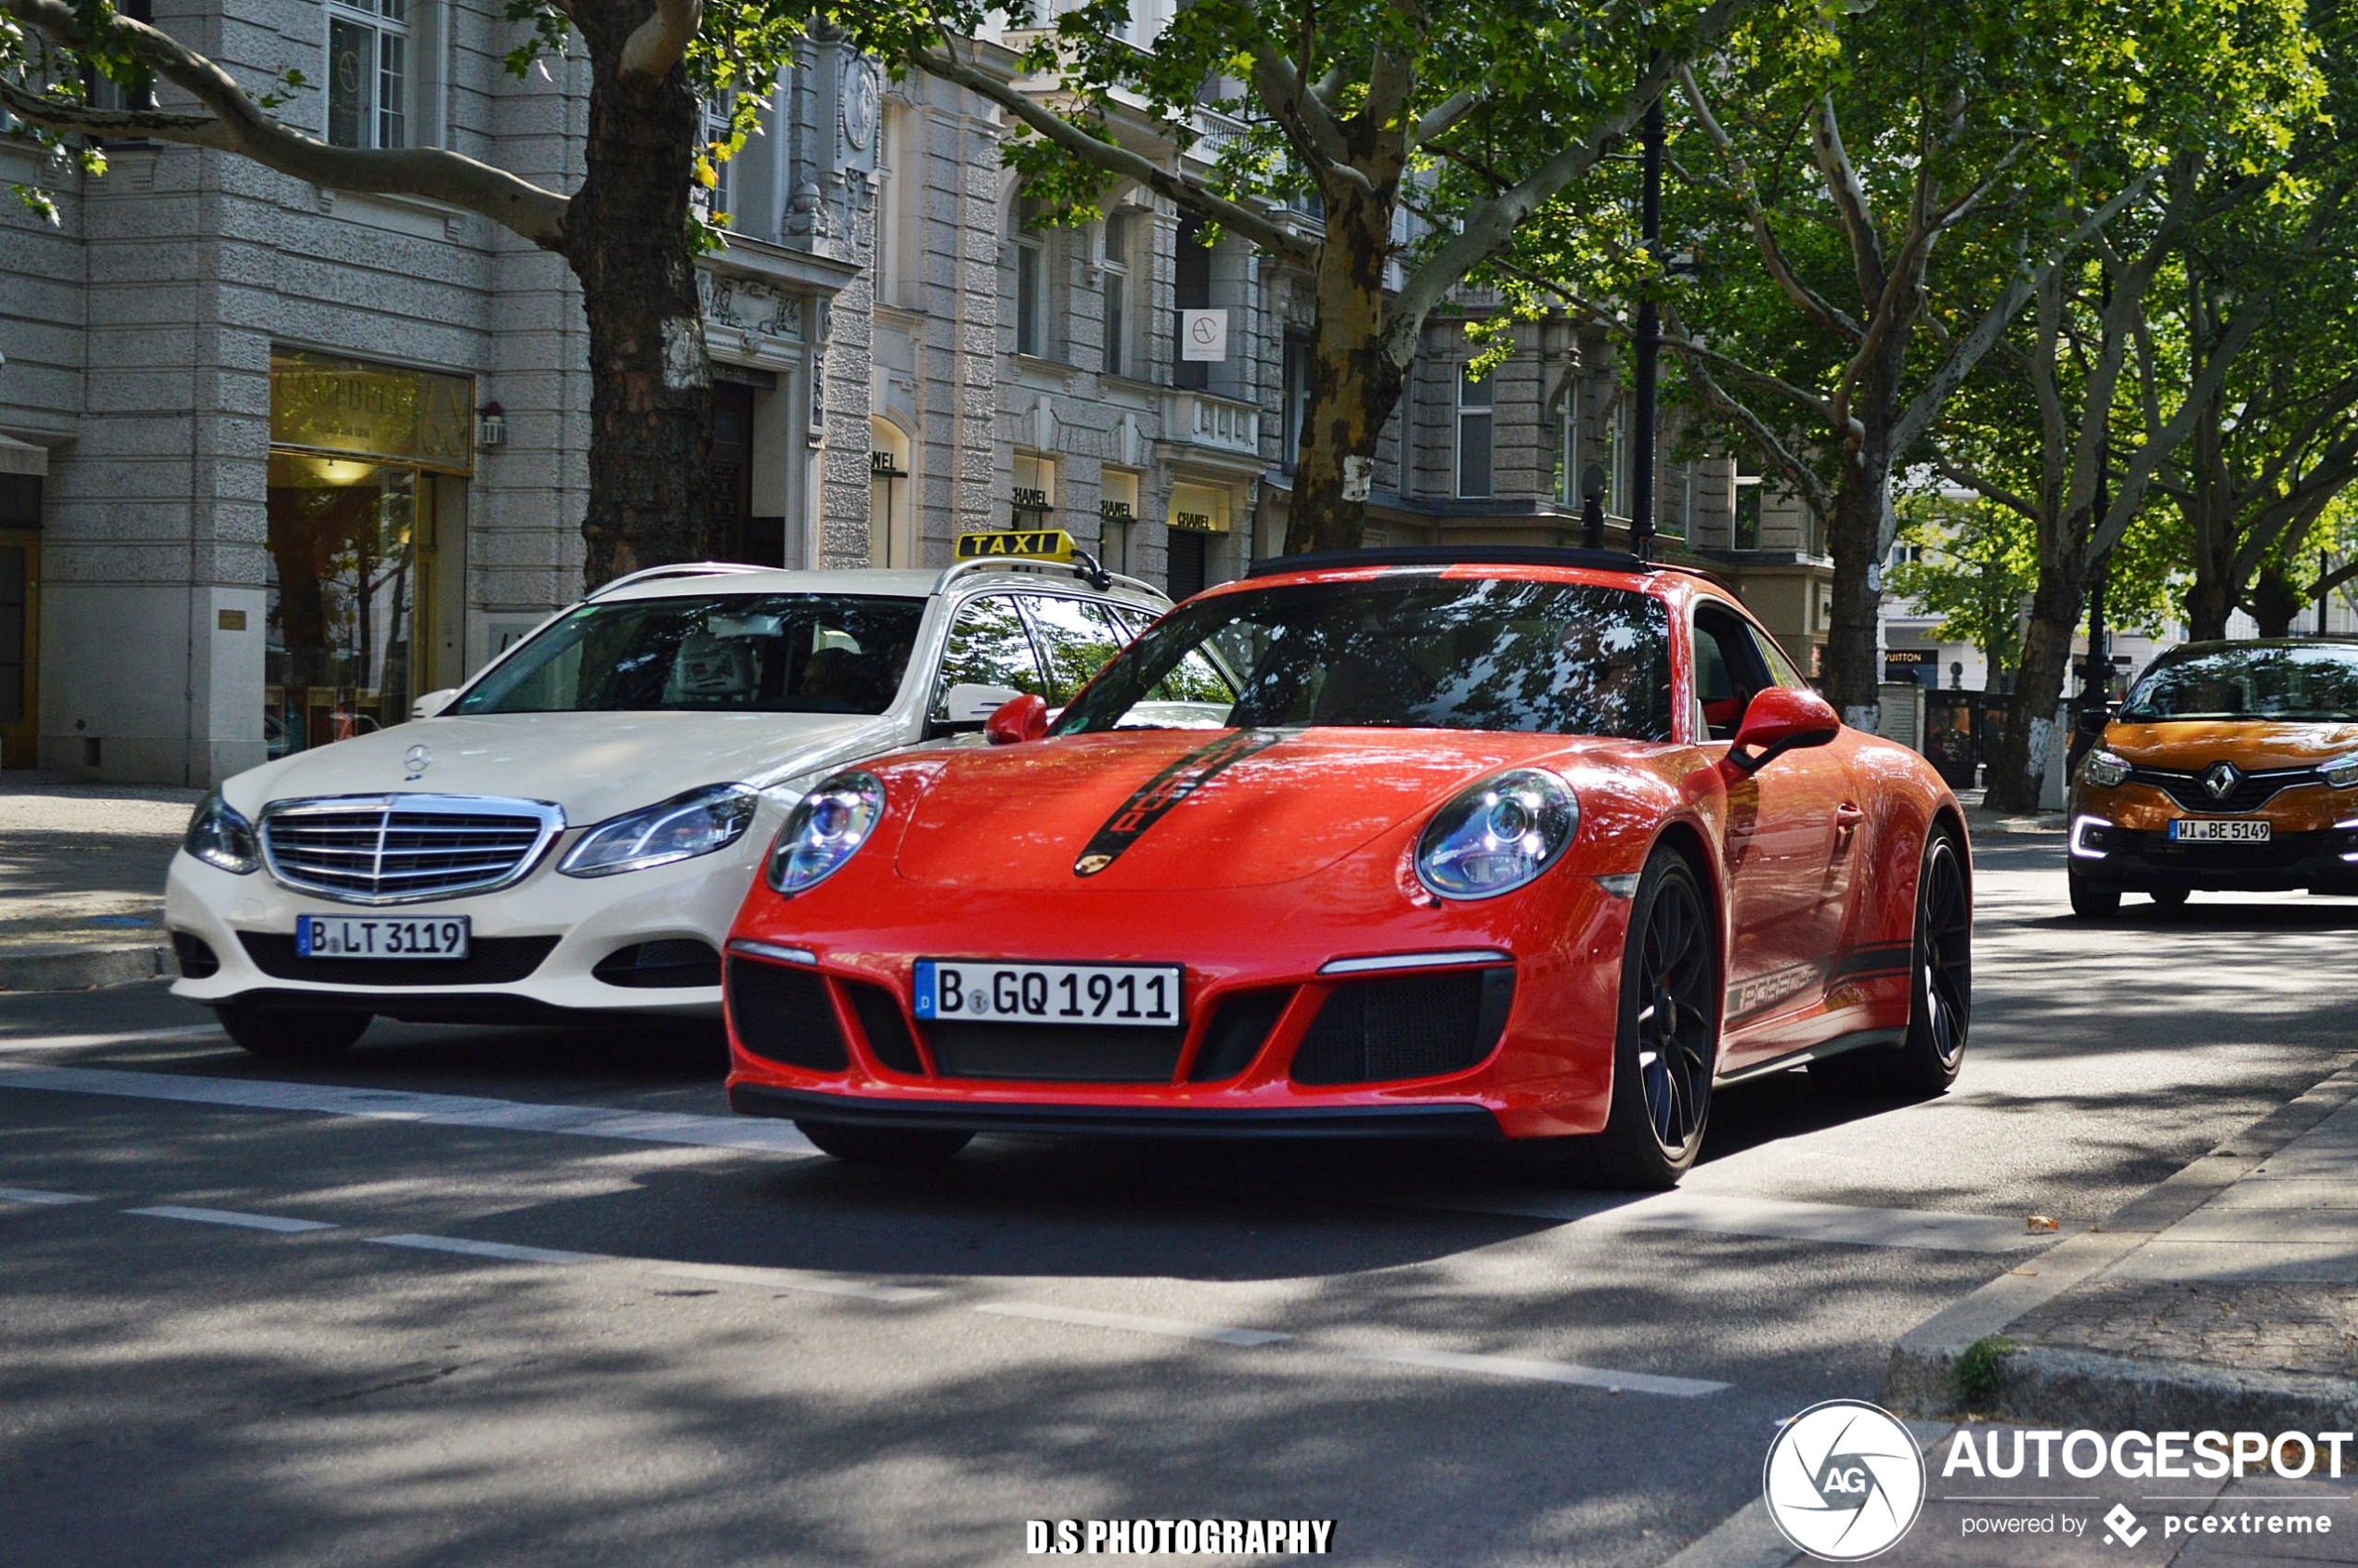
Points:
[(434, 702), (1019, 718), (1780, 719)]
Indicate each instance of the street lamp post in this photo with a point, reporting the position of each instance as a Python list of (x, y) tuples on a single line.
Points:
[(1649, 345)]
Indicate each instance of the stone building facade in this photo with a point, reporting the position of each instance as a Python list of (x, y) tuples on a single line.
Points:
[(274, 459)]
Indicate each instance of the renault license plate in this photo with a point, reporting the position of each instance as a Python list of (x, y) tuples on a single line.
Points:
[(2218, 830), (381, 936), (986, 990)]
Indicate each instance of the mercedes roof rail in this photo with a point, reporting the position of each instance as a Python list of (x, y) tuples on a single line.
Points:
[(677, 569)]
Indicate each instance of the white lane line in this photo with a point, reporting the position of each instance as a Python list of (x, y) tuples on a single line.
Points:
[(231, 1217), (1546, 1371), (403, 1105), (1846, 1225), (794, 1279), (125, 1037), (34, 1195), (500, 1249), (1167, 1328)]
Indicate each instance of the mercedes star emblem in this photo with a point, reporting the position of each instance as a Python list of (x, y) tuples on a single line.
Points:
[(418, 758)]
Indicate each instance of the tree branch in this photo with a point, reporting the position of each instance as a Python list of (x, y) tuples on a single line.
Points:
[(1114, 159), (238, 125), (1438, 119), (1805, 299), (1309, 128), (1849, 198), (657, 44)]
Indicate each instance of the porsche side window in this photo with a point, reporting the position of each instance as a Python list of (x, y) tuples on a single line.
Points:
[(1078, 636), (1729, 669), (989, 653)]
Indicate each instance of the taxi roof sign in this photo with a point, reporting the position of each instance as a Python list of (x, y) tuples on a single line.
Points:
[(1017, 544)]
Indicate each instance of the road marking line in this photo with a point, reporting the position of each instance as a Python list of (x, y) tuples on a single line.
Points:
[(500, 1249), (231, 1217), (1843, 1224), (402, 1104), (1546, 1372), (122, 1037), (792, 1279), (34, 1195), (1168, 1327)]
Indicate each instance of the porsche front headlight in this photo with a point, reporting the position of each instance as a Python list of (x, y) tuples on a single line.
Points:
[(2342, 772), (826, 830), (679, 829), (222, 838), (1497, 836), (2106, 770)]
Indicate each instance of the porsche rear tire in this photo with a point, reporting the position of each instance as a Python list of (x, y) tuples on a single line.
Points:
[(907, 1148), (1667, 1045), (1926, 1060), (2092, 901), (291, 1034)]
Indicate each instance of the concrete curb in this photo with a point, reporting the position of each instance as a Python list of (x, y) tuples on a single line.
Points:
[(81, 965), (2081, 1388)]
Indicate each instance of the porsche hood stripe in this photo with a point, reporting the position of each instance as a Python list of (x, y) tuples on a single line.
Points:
[(1166, 789)]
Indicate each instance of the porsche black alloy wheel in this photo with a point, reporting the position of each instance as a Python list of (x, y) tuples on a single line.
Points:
[(1925, 1060), (884, 1146), (292, 1033), (1668, 1042)]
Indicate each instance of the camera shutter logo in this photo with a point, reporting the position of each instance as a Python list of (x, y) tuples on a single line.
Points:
[(1844, 1481)]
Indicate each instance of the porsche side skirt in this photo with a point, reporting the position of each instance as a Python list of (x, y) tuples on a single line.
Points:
[(1340, 1121), (1859, 1040)]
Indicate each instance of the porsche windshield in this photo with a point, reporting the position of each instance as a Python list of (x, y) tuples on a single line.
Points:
[(780, 653), (1403, 651), (2260, 680)]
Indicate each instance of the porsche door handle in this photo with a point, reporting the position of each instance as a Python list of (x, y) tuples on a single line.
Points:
[(1847, 815)]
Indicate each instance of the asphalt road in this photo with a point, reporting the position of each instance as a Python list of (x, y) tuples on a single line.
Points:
[(492, 1297)]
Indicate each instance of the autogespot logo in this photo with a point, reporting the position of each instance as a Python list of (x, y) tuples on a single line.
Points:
[(1844, 1480)]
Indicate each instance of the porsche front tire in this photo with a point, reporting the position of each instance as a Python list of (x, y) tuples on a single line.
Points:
[(292, 1033), (1667, 1045), (903, 1147)]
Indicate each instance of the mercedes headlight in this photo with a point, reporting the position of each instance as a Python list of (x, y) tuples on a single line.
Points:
[(679, 829), (825, 830), (2342, 772), (1497, 836), (222, 838), (2106, 770)]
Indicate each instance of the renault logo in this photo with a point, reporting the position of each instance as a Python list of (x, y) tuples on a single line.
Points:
[(418, 758), (2220, 780)]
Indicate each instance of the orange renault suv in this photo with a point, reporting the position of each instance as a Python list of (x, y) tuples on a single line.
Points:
[(2233, 766)]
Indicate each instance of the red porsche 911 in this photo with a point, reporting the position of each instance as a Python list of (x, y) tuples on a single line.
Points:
[(1539, 845)]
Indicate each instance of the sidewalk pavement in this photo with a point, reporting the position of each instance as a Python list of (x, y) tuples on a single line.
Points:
[(2225, 1298), (81, 870)]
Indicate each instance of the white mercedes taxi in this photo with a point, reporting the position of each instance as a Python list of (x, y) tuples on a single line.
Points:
[(570, 834)]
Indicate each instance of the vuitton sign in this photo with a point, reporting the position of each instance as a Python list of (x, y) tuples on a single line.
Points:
[(330, 404)]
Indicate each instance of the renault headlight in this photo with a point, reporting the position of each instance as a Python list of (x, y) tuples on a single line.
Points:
[(825, 830), (222, 838), (1497, 836), (2342, 772), (679, 829), (2106, 770)]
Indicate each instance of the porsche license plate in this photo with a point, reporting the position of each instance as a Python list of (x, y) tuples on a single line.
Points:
[(984, 991), (2217, 830), (381, 936)]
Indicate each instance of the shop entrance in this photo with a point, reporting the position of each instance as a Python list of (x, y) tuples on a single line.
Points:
[(367, 545), (20, 645)]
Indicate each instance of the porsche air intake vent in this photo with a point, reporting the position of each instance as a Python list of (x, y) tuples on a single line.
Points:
[(784, 1013), (1414, 1026)]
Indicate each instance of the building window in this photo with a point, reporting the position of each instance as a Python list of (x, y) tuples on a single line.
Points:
[(1299, 368), (891, 492), (1746, 532), (1032, 285), (1567, 486), (1117, 276), (1190, 290), (714, 203), (1117, 517), (368, 73), (1473, 434), (1035, 493), (1616, 460)]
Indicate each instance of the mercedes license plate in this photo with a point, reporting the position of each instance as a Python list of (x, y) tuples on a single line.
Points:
[(985, 991), (381, 936), (2218, 830)]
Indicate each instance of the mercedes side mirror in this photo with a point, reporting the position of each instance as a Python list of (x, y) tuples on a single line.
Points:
[(1780, 719), (434, 702), (1019, 718)]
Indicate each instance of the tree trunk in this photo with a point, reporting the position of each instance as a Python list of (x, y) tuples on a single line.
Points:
[(627, 242), (1354, 379), (2275, 598), (2211, 599), (1862, 500), (2020, 770)]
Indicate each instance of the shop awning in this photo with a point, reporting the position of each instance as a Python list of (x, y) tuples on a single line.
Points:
[(22, 457)]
